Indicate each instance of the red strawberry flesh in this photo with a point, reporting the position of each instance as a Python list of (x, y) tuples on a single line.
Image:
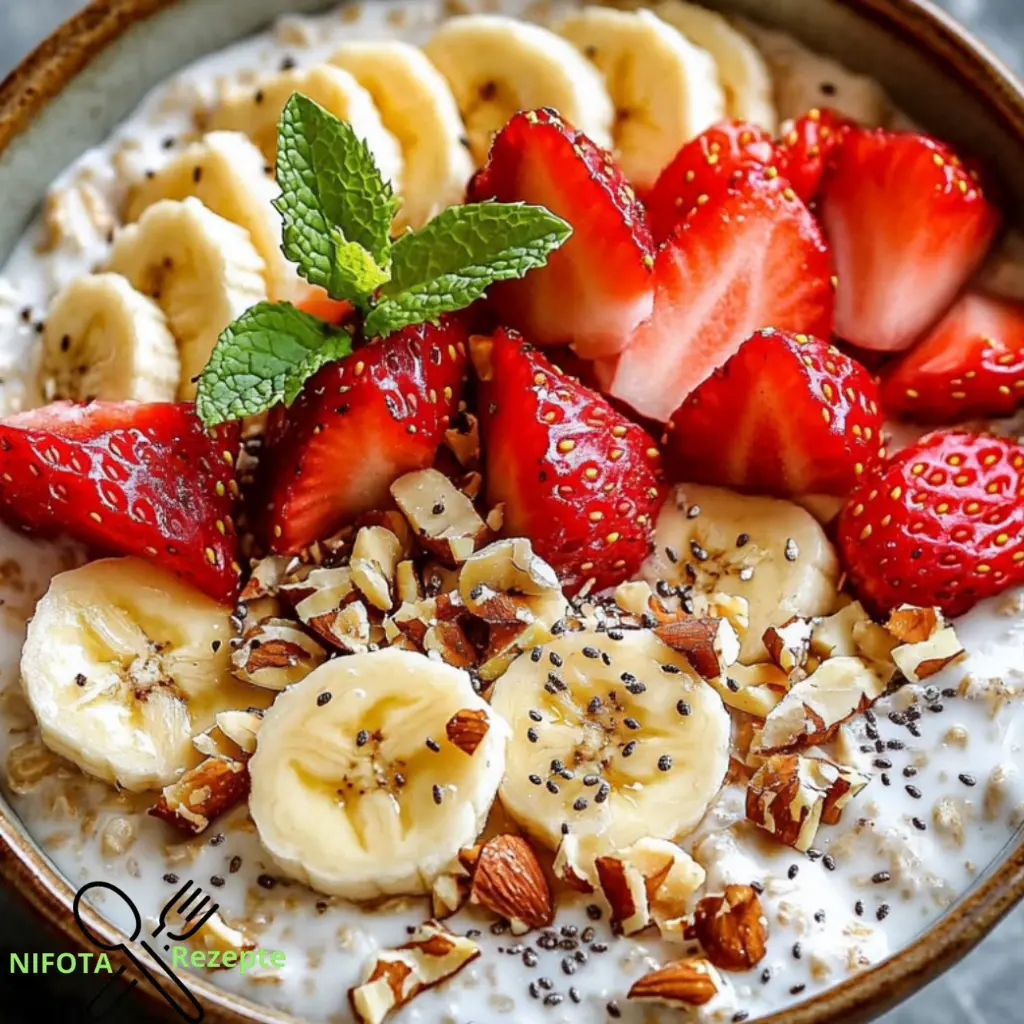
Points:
[(127, 479), (941, 523), (577, 478), (597, 287), (357, 425), (787, 415), (908, 225), (751, 257), (971, 365), (701, 167), (806, 148)]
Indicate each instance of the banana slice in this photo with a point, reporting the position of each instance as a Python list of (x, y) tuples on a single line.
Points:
[(256, 109), (742, 71), (621, 740), (103, 339), (497, 66), (772, 553), (200, 269), (227, 173), (664, 88), (418, 108), (372, 773), (123, 665)]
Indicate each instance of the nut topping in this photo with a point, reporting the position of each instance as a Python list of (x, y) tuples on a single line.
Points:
[(442, 517), (790, 795), (812, 711), (275, 653), (375, 557), (467, 729), (926, 643), (788, 645), (649, 882), (691, 982), (506, 584), (240, 727), (710, 645), (508, 880), (431, 955), (732, 928), (202, 793)]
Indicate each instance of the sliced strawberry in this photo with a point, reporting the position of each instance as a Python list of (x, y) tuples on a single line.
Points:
[(787, 415), (941, 523), (751, 257), (700, 168), (806, 147), (357, 425), (577, 478), (597, 287), (971, 365), (127, 479), (908, 226)]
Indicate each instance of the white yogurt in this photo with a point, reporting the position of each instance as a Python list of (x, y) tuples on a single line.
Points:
[(875, 881)]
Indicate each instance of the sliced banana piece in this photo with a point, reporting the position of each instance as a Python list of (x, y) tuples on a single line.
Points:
[(256, 109), (200, 269), (665, 89), (742, 71), (228, 174), (103, 339), (497, 66), (372, 773), (123, 665), (418, 108), (772, 553), (623, 740)]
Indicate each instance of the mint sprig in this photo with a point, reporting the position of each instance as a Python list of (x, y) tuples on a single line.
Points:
[(336, 207), (263, 358), (337, 211), (452, 261)]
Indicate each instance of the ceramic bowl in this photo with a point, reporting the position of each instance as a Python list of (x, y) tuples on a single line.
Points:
[(70, 93)]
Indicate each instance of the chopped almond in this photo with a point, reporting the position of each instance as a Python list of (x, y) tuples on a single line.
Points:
[(732, 928), (201, 794), (398, 975), (275, 653), (691, 982), (467, 728), (442, 517), (375, 557), (508, 880), (709, 645)]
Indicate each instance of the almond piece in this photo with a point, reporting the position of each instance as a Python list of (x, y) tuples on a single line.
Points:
[(508, 880), (912, 625), (691, 982), (709, 645), (789, 793), (788, 645), (451, 643), (444, 520), (812, 711), (467, 729), (275, 653), (732, 928), (920, 654), (398, 975), (649, 882), (202, 793)]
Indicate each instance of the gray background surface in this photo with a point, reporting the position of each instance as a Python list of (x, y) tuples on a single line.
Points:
[(987, 988)]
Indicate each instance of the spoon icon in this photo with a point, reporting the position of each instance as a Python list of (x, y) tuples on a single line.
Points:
[(188, 1007)]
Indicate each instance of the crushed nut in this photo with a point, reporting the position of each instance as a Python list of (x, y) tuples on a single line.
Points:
[(444, 520), (275, 653), (691, 982), (202, 793), (507, 879), (732, 928)]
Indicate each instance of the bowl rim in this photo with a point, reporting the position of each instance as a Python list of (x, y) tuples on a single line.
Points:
[(50, 67)]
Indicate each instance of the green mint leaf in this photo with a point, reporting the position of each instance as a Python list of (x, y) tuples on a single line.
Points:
[(450, 263), (331, 195), (263, 358), (355, 273)]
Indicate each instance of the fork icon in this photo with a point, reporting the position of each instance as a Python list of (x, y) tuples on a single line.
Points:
[(177, 995), (173, 906)]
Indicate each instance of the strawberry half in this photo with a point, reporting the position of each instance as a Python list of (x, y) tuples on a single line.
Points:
[(805, 149), (357, 425), (577, 478), (970, 366), (787, 415), (127, 479), (700, 168), (908, 225), (597, 287), (941, 523), (750, 257)]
